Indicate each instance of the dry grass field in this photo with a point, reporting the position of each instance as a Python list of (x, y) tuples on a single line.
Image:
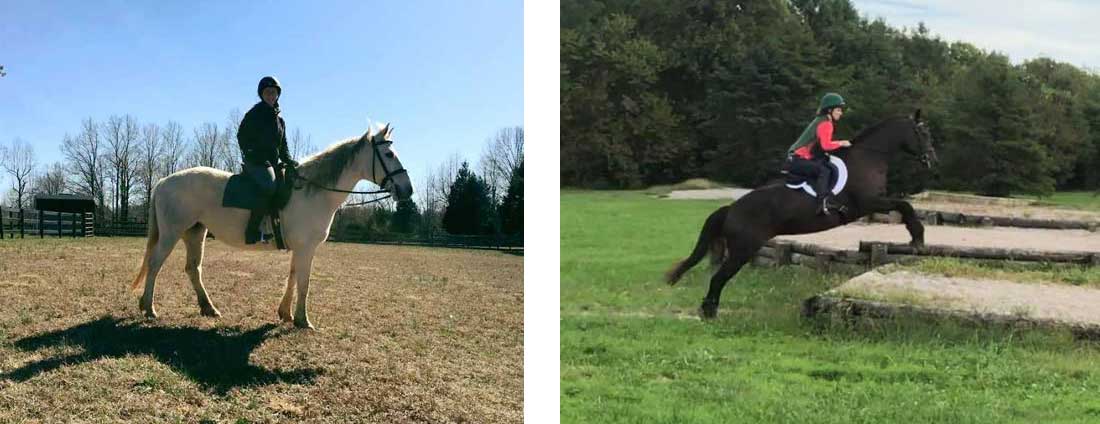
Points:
[(405, 334)]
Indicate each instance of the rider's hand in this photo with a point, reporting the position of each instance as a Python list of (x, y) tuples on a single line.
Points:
[(845, 143)]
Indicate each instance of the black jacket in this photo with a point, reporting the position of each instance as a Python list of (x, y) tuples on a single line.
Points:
[(262, 136)]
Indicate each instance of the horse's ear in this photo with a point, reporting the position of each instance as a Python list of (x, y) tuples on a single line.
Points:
[(916, 115), (389, 130)]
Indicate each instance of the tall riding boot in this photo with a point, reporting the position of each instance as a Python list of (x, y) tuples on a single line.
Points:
[(821, 186), (252, 231)]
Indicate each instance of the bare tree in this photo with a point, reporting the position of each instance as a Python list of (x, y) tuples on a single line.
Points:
[(19, 163), (228, 150), (173, 146), (83, 156), (122, 142), (503, 152), (205, 151), (300, 146), (149, 157), (439, 180), (52, 181)]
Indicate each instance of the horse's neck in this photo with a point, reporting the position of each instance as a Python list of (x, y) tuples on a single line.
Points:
[(347, 181), (883, 141)]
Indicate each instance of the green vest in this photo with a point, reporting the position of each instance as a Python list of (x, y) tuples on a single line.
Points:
[(809, 135)]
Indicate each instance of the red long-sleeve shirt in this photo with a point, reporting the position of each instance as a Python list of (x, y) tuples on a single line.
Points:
[(824, 137)]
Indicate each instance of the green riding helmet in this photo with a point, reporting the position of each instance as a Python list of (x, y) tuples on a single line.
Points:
[(829, 101)]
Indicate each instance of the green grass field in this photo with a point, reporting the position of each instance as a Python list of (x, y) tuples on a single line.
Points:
[(632, 351), (1083, 200)]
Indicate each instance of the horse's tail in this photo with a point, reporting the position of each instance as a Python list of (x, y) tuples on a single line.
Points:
[(709, 240), (154, 235)]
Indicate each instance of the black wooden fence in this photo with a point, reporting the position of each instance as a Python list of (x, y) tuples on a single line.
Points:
[(23, 223), (489, 242)]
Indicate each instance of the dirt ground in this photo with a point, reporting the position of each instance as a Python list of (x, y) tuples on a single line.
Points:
[(1033, 212), (405, 334), (1037, 301), (849, 236)]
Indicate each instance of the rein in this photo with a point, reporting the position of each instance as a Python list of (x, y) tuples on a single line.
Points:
[(378, 157)]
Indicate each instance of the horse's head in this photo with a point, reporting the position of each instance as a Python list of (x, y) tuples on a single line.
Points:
[(920, 143), (385, 167)]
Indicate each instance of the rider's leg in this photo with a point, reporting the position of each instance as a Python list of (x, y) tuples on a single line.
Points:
[(265, 181)]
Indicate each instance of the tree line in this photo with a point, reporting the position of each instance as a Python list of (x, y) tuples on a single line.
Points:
[(117, 162), (654, 92), (454, 197)]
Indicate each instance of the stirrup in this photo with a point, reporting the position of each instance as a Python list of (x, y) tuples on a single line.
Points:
[(830, 204), (264, 238)]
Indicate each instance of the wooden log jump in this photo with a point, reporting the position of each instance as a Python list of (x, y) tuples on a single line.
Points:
[(983, 253)]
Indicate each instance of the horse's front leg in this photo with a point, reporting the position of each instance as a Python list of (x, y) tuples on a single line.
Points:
[(908, 216), (302, 264)]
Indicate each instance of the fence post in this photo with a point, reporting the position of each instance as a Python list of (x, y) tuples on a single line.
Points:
[(878, 255), (83, 225), (73, 229), (21, 224), (60, 217), (41, 232)]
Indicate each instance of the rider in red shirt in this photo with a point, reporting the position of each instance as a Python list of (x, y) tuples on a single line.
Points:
[(808, 156)]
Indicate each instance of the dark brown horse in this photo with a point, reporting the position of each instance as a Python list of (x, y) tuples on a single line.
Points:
[(734, 233)]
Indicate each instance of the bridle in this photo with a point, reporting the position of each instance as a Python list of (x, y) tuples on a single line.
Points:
[(376, 157)]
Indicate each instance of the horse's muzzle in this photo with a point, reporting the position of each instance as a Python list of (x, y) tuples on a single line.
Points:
[(402, 191)]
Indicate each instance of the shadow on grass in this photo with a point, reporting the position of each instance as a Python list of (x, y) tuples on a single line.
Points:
[(216, 358)]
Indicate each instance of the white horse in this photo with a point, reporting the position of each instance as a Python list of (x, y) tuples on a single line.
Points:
[(189, 202)]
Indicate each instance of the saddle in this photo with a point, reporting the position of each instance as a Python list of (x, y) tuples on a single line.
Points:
[(241, 192), (838, 177)]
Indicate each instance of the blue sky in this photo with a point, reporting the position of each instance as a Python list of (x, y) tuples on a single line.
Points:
[(1063, 30), (447, 75)]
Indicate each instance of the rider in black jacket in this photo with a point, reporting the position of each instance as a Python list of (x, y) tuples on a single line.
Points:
[(262, 138)]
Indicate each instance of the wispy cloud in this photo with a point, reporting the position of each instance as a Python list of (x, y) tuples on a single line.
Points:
[(1063, 30)]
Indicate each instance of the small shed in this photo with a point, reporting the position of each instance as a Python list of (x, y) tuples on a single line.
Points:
[(64, 203)]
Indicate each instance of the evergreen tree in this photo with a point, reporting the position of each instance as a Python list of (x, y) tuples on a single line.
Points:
[(511, 209), (406, 219), (654, 92), (990, 147), (469, 210)]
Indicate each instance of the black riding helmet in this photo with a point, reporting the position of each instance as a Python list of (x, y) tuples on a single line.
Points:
[(268, 81)]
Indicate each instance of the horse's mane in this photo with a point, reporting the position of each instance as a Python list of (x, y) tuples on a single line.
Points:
[(870, 131), (325, 167)]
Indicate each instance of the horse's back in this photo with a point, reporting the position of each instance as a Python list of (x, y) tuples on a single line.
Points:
[(192, 189)]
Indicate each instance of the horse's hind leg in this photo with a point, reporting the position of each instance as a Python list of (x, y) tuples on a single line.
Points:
[(194, 238), (160, 253), (740, 253)]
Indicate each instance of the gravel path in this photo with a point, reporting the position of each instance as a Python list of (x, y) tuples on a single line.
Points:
[(1034, 212), (849, 236), (1040, 301)]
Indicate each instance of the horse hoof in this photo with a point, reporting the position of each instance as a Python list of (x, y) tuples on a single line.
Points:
[(211, 312), (150, 314), (285, 317), (708, 312), (305, 325), (916, 243)]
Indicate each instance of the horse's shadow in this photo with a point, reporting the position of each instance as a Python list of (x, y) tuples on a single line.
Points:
[(216, 359)]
